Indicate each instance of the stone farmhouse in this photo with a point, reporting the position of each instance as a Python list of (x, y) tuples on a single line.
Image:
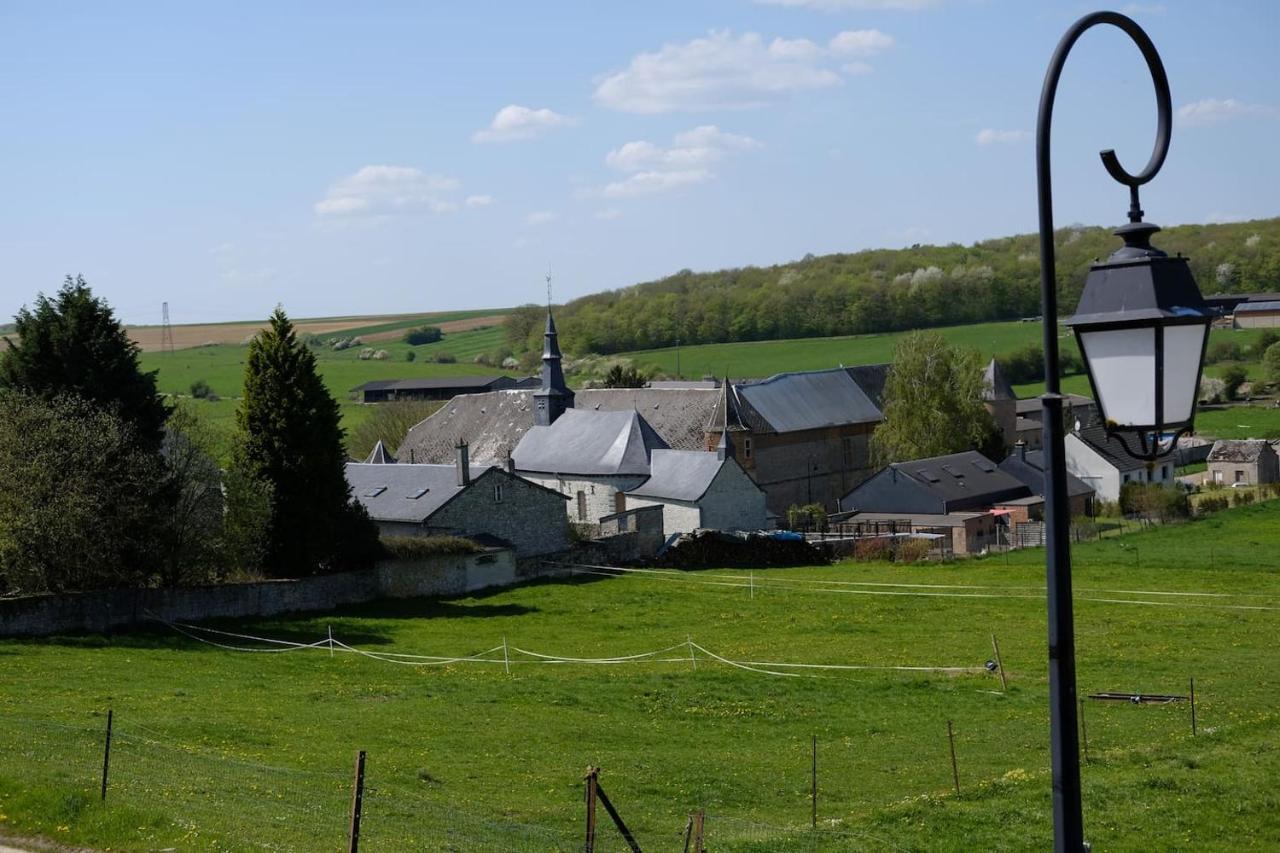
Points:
[(479, 502), (1250, 462), (801, 437)]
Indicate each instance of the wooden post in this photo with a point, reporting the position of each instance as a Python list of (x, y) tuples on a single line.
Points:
[(506, 659), (1084, 733), (813, 791), (752, 576), (357, 804), (1193, 707), (106, 755), (330, 641), (955, 771), (692, 657), (591, 781), (699, 824), (995, 646)]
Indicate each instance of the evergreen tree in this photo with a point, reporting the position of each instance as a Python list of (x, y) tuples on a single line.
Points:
[(933, 402), (289, 438), (73, 344)]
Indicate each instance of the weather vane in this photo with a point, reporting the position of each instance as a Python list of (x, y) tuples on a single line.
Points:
[(548, 285)]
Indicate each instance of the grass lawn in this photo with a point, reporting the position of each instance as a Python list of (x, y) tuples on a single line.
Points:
[(1239, 422), (221, 749)]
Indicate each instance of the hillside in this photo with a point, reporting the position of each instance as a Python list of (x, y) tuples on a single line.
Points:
[(884, 290)]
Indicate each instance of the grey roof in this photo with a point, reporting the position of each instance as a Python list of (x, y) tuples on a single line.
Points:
[(439, 383), (682, 475), (790, 402), (387, 491), (1239, 450), (871, 379), (727, 415), (589, 442), (996, 386), (1030, 472), (1032, 405), (961, 477), (1110, 449), (380, 455), (1251, 307), (493, 423)]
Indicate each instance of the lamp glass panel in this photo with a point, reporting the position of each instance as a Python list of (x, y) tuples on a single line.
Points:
[(1182, 348), (1123, 364)]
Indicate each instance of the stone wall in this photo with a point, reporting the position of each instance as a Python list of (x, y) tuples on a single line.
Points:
[(598, 494), (513, 509), (110, 609)]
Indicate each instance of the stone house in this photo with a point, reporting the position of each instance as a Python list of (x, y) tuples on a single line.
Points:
[(701, 490), (1102, 461), (461, 500), (1251, 462)]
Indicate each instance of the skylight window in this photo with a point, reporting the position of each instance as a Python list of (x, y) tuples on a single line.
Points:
[(952, 471), (983, 465), (375, 491), (928, 475), (417, 494)]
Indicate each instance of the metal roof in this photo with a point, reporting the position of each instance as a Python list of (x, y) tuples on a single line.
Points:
[(589, 442), (388, 491), (1250, 307), (1029, 471), (812, 400), (682, 475), (961, 476)]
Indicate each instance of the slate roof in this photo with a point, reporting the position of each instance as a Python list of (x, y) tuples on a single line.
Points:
[(590, 443), (790, 402), (1227, 450), (682, 475), (1030, 472), (961, 477), (871, 379), (1110, 449), (387, 491), (379, 455), (996, 386)]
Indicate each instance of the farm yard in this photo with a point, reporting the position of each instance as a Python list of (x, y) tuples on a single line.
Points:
[(218, 748)]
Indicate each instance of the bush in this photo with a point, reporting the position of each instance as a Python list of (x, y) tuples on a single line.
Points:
[(913, 550), (1271, 363), (1208, 505), (410, 355), (366, 354), (1265, 341), (1240, 497), (873, 549), (1232, 378), (810, 517), (418, 547), (423, 335), (482, 359), (1222, 351), (201, 390), (1154, 502), (446, 358)]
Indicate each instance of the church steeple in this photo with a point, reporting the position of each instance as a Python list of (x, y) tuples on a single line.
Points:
[(551, 400)]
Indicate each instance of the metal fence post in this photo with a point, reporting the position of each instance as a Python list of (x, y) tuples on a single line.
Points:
[(592, 781), (106, 755), (357, 804), (955, 770)]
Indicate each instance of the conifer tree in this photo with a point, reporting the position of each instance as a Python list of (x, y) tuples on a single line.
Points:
[(289, 439), (72, 344)]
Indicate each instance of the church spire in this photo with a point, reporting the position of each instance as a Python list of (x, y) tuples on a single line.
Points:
[(554, 396)]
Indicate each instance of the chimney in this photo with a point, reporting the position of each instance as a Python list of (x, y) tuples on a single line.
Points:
[(1021, 447), (463, 463), (511, 464)]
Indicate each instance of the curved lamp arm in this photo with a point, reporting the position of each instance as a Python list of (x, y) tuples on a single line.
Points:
[(1048, 271)]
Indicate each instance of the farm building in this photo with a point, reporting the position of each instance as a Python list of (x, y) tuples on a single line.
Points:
[(439, 388), (1102, 462), (1251, 462), (962, 532), (1257, 315), (701, 490), (461, 500), (936, 486), (1027, 467), (801, 437)]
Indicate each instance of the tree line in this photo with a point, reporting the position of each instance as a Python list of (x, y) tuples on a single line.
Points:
[(104, 484), (882, 290)]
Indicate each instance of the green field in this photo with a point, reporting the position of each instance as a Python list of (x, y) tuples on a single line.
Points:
[(1239, 422), (222, 749)]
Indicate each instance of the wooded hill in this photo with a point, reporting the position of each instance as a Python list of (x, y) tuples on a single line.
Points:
[(883, 290)]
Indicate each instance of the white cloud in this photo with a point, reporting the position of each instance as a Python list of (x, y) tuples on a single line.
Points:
[(478, 200), (724, 71), (857, 67), (854, 5), (1217, 110), (378, 191), (860, 43), (608, 213), (514, 122), (687, 161), (990, 136), (540, 217)]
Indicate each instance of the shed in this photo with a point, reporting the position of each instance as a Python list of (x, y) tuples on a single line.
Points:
[(1250, 462), (937, 485)]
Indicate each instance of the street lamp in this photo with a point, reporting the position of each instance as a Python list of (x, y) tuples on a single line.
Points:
[(1141, 326)]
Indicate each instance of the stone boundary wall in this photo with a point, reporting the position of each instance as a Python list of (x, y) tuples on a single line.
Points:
[(103, 611)]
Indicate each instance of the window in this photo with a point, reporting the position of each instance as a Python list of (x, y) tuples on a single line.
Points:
[(582, 506), (619, 502), (1239, 477), (417, 493), (746, 448), (375, 491), (497, 493), (1126, 478)]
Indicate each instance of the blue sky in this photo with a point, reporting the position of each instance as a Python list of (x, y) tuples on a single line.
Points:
[(382, 157)]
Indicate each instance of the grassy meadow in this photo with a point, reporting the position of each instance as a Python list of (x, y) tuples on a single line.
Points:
[(237, 750)]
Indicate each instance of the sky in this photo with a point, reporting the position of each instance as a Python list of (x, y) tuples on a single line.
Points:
[(372, 158)]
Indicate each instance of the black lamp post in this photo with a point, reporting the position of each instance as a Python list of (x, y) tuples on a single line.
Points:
[(1142, 327)]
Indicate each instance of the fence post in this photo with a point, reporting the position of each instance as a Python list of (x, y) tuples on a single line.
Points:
[(357, 804), (1193, 707), (1004, 685), (1084, 732), (106, 755), (699, 824), (591, 780), (814, 787), (955, 771)]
